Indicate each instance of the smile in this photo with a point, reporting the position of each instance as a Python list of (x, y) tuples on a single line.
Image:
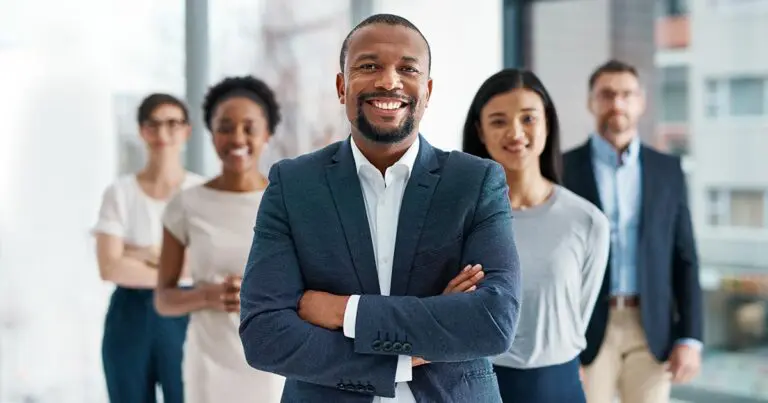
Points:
[(388, 105)]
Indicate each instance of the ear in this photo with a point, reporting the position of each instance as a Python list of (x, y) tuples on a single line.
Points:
[(480, 134), (340, 88), (429, 92), (589, 104)]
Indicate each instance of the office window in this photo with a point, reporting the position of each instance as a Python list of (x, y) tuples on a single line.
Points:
[(717, 208), (747, 208), (712, 90), (674, 103), (747, 96), (741, 208), (673, 8)]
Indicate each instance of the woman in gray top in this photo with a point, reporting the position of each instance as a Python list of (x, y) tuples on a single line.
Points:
[(563, 239)]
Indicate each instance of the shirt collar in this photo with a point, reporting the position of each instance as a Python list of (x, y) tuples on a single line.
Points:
[(605, 152), (407, 160)]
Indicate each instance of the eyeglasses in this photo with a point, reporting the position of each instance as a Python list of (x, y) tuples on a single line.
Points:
[(171, 124), (610, 95)]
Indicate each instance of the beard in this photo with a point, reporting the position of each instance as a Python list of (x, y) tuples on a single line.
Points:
[(385, 136), (615, 123)]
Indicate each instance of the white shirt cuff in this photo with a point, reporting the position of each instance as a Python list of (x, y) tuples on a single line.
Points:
[(404, 372), (350, 316)]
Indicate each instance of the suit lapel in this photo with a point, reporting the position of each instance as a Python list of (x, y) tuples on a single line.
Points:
[(648, 171), (350, 206), (587, 181), (413, 211)]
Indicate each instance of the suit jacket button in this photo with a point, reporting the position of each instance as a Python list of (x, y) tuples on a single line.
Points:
[(340, 386), (350, 387), (370, 389), (397, 347), (360, 388), (376, 345), (386, 346), (407, 347)]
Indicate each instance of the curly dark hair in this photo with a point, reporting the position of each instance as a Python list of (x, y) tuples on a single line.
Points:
[(246, 86)]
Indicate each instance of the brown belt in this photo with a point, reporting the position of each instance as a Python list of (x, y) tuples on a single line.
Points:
[(624, 302)]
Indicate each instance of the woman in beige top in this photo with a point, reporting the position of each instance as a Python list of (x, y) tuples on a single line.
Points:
[(211, 226)]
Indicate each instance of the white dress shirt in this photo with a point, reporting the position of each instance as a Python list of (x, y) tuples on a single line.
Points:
[(383, 196)]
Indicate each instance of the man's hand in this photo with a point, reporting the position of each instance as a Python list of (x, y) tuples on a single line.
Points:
[(323, 309), (684, 363), (466, 281), (417, 361)]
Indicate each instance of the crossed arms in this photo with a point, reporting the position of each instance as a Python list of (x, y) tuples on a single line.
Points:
[(455, 327)]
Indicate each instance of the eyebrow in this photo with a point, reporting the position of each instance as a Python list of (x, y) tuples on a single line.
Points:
[(502, 114), (374, 57)]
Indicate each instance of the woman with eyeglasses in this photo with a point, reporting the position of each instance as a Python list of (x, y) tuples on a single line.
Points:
[(141, 349), (562, 239)]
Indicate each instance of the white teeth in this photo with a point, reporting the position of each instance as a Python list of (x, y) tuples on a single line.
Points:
[(387, 105), (240, 152)]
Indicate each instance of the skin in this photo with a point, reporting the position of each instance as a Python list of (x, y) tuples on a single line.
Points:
[(164, 135), (240, 132), (386, 64), (513, 128), (617, 102)]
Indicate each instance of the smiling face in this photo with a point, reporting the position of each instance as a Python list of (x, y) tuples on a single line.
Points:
[(240, 131), (513, 127), (385, 85)]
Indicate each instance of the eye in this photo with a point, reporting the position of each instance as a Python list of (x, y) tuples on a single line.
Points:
[(367, 66), (528, 119), (498, 123), (409, 69)]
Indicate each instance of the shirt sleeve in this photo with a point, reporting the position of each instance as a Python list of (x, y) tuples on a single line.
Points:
[(175, 219), (111, 220), (595, 264)]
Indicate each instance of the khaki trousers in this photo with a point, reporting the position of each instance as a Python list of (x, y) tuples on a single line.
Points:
[(624, 366)]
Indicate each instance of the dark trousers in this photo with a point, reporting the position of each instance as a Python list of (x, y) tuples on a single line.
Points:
[(141, 350), (553, 384)]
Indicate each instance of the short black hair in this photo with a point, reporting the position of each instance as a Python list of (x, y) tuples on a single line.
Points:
[(611, 66), (246, 86), (389, 19), (550, 160), (153, 101)]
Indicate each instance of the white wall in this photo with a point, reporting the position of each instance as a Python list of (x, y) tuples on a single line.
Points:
[(466, 41), (57, 119), (570, 39)]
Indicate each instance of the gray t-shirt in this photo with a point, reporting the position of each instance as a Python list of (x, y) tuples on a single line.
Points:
[(563, 247)]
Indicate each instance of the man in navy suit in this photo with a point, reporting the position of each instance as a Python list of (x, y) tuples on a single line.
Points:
[(646, 329), (354, 245)]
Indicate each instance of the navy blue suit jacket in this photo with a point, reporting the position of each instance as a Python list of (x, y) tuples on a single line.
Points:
[(312, 233), (667, 267)]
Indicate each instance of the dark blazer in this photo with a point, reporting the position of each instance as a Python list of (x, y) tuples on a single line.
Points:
[(312, 233), (667, 267)]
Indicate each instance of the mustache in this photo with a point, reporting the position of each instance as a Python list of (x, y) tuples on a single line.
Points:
[(384, 94)]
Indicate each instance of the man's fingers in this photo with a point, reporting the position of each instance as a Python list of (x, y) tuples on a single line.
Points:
[(470, 282), (466, 274)]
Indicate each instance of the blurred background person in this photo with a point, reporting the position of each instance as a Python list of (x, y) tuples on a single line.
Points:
[(564, 239), (140, 348), (647, 328), (211, 226)]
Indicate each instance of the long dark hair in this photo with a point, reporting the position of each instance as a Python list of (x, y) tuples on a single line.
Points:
[(550, 161)]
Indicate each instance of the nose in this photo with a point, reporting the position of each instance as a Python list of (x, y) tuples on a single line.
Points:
[(389, 80), (517, 131), (240, 136)]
